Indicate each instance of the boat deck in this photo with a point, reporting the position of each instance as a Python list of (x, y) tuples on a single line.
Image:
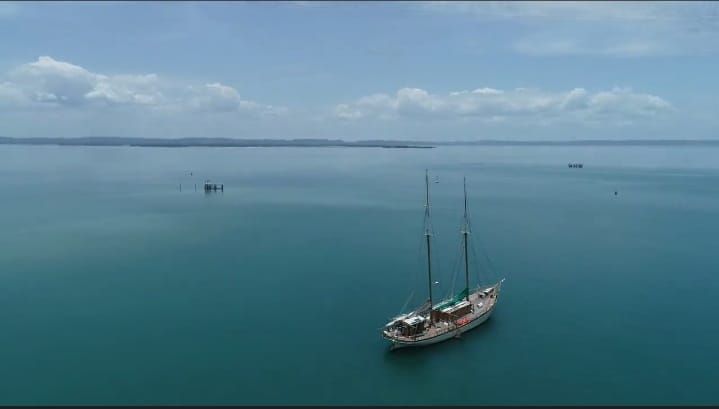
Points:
[(438, 328)]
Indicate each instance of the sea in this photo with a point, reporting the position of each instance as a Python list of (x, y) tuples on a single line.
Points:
[(122, 282)]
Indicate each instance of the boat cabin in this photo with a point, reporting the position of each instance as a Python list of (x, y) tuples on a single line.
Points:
[(412, 325), (488, 292), (454, 311)]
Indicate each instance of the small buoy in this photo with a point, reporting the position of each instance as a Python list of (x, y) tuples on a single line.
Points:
[(615, 193)]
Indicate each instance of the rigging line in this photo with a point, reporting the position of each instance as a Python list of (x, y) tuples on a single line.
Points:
[(436, 261), (450, 288), (477, 242), (479, 266), (474, 262), (465, 233), (455, 268), (431, 264), (419, 261), (437, 258), (485, 255), (490, 266), (401, 311), (491, 270), (457, 258), (471, 241), (428, 233), (474, 238)]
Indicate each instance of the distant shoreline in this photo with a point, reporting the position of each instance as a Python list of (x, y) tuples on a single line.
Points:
[(211, 142), (305, 143), (591, 142)]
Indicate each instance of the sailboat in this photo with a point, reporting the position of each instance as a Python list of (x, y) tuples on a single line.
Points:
[(431, 323)]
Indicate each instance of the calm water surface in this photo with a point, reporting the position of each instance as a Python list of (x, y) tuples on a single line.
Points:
[(118, 288)]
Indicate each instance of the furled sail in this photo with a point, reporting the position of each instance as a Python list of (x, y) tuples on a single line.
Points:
[(457, 298)]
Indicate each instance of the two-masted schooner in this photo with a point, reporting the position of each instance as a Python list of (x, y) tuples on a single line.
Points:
[(432, 323)]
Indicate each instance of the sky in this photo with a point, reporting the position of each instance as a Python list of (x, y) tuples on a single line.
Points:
[(361, 70)]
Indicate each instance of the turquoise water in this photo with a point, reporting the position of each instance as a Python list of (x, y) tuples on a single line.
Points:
[(118, 288)]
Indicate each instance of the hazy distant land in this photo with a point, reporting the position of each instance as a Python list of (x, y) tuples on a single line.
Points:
[(208, 142), (231, 142)]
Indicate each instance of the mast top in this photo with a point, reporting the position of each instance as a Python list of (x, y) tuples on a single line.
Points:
[(428, 228), (464, 182), (466, 228), (426, 183)]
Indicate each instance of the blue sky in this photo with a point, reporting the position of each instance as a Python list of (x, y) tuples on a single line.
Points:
[(364, 70)]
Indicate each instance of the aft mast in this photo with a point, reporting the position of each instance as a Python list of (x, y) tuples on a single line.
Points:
[(465, 233), (427, 235)]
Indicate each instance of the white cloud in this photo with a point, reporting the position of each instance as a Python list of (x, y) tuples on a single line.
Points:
[(51, 83), (11, 95), (617, 105), (47, 80), (127, 89), (216, 97), (616, 29), (344, 111)]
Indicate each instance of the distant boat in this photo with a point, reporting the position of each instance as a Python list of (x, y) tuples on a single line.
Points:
[(432, 323), (575, 165), (209, 186)]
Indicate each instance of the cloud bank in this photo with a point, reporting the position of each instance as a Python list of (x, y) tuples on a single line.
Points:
[(51, 84), (64, 93), (618, 105)]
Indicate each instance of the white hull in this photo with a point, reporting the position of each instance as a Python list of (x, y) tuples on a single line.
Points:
[(449, 334)]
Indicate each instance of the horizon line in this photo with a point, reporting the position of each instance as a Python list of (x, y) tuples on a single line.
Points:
[(319, 142)]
